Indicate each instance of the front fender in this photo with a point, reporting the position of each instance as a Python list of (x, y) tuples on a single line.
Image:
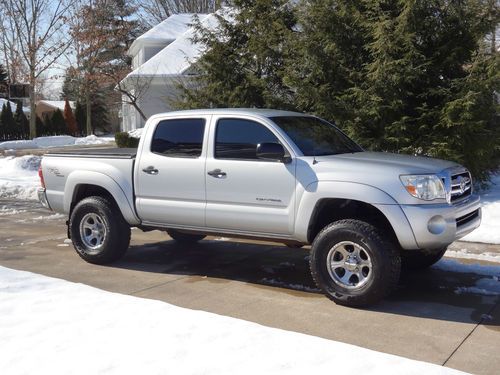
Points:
[(319, 190), (80, 177)]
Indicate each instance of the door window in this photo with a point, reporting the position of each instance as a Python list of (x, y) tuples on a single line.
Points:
[(180, 138), (238, 139)]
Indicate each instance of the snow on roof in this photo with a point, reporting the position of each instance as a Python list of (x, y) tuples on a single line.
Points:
[(166, 31), (178, 56), (56, 104), (13, 105), (4, 101)]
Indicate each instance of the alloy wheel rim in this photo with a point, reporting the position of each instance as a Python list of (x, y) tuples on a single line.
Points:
[(349, 265), (92, 232)]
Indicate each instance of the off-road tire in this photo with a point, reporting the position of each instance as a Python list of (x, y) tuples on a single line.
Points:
[(421, 259), (117, 238), (185, 237), (384, 256)]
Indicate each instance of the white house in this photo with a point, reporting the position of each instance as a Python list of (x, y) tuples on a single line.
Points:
[(161, 58)]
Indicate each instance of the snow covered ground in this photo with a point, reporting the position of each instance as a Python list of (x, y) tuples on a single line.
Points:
[(489, 231), (51, 326), (54, 141), (19, 177)]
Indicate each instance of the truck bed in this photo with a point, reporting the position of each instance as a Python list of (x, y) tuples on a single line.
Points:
[(108, 153)]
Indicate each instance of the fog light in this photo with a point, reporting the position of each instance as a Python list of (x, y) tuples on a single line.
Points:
[(436, 225)]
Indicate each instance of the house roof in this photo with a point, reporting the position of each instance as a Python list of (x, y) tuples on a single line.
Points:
[(166, 31), (177, 57), (55, 104), (13, 105)]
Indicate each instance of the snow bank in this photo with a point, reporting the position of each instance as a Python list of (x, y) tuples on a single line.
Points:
[(54, 141), (52, 326), (489, 231), (136, 133), (19, 177)]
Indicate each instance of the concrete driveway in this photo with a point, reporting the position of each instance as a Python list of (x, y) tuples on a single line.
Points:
[(434, 316)]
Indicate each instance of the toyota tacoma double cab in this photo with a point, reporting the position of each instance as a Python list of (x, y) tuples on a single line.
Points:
[(267, 174)]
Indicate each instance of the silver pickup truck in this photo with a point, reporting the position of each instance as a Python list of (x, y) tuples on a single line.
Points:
[(267, 174)]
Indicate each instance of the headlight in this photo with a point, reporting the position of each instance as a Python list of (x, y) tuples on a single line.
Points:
[(426, 187)]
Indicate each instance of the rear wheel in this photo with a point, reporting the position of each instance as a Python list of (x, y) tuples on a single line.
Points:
[(99, 232), (185, 237), (421, 259), (353, 264)]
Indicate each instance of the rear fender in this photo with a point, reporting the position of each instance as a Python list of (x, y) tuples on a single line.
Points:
[(124, 203)]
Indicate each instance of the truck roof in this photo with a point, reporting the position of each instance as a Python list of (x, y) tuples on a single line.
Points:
[(264, 112)]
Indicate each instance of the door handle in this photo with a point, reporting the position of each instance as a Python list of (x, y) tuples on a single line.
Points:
[(151, 170), (217, 173)]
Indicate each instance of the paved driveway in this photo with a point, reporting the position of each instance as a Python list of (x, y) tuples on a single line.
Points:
[(438, 316)]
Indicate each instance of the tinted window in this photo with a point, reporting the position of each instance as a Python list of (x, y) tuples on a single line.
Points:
[(316, 137), (179, 138), (238, 139)]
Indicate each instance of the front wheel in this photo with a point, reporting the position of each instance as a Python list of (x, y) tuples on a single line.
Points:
[(99, 232), (353, 264)]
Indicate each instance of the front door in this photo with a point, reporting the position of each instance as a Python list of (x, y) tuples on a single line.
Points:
[(245, 193)]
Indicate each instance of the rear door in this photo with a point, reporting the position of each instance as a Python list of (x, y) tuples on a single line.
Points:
[(245, 193), (170, 173)]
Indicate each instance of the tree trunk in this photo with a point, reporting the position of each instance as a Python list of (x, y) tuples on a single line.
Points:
[(494, 41), (88, 107), (32, 107), (134, 104)]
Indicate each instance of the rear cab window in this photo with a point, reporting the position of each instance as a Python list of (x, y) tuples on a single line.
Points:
[(179, 138)]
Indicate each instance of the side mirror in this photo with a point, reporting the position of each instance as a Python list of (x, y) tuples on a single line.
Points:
[(272, 152)]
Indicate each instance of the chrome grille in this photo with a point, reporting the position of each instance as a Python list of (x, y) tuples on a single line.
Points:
[(461, 186)]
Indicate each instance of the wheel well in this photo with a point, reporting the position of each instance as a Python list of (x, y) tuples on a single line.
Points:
[(83, 191), (330, 210)]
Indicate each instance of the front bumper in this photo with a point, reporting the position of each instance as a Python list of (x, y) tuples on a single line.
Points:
[(438, 225), (42, 197)]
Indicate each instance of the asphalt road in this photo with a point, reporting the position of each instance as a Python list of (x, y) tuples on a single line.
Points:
[(428, 318)]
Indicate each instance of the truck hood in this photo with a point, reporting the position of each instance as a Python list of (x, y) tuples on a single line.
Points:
[(399, 163), (380, 170)]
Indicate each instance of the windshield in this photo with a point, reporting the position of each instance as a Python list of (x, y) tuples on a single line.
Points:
[(316, 137)]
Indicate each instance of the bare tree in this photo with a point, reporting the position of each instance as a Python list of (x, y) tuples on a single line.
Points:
[(39, 25), (91, 39), (133, 90), (9, 51), (156, 11)]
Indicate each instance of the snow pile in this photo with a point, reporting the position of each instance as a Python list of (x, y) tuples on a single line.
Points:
[(136, 133), (489, 231), (19, 177), (54, 141), (52, 326), (93, 140)]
